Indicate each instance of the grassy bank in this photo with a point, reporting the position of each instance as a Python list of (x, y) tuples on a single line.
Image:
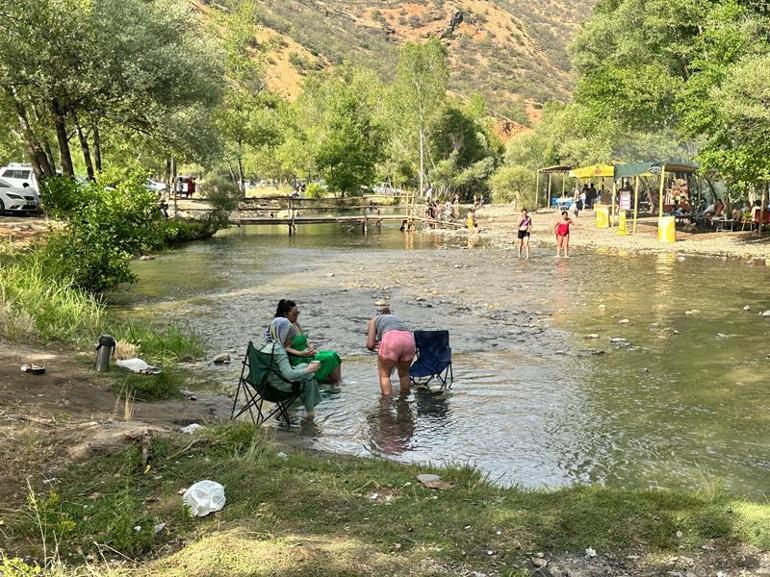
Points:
[(310, 514)]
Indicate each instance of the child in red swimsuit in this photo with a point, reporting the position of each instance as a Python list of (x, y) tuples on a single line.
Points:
[(561, 228)]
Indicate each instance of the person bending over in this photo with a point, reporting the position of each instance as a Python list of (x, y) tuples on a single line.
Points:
[(395, 347)]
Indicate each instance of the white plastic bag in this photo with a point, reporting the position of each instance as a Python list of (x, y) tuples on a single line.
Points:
[(204, 497), (137, 366)]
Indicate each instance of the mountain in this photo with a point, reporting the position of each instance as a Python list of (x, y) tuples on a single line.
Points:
[(513, 52)]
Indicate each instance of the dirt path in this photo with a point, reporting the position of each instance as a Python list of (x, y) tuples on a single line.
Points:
[(70, 413)]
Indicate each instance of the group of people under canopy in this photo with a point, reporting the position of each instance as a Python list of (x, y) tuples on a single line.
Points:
[(656, 188), (298, 361)]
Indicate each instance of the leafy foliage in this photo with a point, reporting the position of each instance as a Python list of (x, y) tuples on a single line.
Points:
[(103, 228)]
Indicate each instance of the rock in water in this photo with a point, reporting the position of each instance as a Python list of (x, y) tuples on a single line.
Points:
[(766, 313), (221, 359)]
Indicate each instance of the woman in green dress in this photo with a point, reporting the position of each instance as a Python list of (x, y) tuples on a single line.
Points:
[(275, 336), (301, 351)]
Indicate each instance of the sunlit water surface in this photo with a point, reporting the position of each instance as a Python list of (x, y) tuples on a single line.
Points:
[(682, 402)]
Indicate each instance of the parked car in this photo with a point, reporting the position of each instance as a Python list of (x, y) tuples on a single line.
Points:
[(16, 174), (155, 185), (17, 199)]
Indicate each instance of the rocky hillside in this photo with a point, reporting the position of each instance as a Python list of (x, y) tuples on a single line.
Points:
[(513, 51)]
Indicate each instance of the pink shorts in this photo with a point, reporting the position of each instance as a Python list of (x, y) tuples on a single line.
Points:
[(397, 346)]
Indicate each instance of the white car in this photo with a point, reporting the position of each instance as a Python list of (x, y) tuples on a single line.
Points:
[(16, 174), (155, 185), (17, 199)]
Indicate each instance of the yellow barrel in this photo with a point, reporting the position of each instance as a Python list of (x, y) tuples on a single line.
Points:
[(667, 229), (602, 216), (622, 229)]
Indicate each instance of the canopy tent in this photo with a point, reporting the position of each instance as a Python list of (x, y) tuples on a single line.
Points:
[(639, 170), (549, 170), (594, 171)]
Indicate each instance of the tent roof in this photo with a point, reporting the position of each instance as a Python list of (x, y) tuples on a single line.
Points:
[(557, 168), (596, 170), (648, 168)]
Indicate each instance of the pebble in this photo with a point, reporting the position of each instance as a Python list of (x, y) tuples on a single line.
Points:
[(766, 313), (624, 322), (747, 308), (692, 312), (539, 562), (146, 257), (330, 274), (221, 359), (592, 336)]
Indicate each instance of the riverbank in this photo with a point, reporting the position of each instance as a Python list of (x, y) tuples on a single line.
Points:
[(291, 513), (498, 224)]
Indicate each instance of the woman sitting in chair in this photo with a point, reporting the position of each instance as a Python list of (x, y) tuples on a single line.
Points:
[(301, 351), (276, 336)]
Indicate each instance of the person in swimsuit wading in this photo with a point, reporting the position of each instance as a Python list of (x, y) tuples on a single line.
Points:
[(525, 226), (561, 228), (395, 347)]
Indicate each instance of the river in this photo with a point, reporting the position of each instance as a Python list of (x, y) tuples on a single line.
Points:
[(545, 393)]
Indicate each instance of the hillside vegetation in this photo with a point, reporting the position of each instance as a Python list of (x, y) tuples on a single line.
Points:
[(512, 52)]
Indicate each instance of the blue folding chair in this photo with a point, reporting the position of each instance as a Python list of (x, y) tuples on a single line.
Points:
[(434, 359)]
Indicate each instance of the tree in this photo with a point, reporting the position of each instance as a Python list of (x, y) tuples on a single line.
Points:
[(418, 95), (339, 120)]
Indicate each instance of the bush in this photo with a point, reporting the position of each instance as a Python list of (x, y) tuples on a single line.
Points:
[(315, 190), (104, 227), (514, 184)]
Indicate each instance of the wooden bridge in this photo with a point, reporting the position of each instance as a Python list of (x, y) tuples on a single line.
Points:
[(292, 211)]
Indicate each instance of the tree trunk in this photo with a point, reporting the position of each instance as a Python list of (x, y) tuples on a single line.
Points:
[(241, 182), (49, 154), (37, 157), (97, 147), (60, 124), (84, 147)]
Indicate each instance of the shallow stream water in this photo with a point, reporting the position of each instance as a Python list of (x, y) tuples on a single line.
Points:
[(537, 400)]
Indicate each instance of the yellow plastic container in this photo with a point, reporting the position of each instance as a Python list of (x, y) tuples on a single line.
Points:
[(602, 216), (667, 229), (622, 228)]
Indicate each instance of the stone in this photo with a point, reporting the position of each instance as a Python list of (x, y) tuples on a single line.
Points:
[(592, 336), (766, 313), (146, 257), (692, 312), (747, 308), (538, 562), (329, 274), (221, 359)]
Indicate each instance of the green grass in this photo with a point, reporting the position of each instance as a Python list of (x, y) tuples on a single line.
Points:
[(34, 306), (161, 344), (165, 385), (326, 515)]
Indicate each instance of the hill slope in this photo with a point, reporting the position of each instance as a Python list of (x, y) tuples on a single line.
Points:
[(508, 50)]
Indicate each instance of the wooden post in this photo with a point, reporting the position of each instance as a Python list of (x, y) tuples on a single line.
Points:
[(662, 186), (612, 203), (548, 192), (636, 200), (291, 218), (366, 221), (537, 189)]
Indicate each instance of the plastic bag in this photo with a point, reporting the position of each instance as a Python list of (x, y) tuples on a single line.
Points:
[(204, 497), (137, 366)]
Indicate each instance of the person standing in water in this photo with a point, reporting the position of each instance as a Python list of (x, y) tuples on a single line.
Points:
[(561, 229), (525, 226), (395, 348)]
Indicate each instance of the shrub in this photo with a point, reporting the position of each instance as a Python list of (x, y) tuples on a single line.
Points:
[(104, 226), (315, 190), (514, 184)]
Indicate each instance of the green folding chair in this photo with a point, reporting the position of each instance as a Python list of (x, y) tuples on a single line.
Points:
[(254, 389)]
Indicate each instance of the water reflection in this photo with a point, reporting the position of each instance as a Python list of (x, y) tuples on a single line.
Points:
[(391, 424)]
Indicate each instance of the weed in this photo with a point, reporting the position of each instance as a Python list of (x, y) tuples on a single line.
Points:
[(172, 343), (165, 385)]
